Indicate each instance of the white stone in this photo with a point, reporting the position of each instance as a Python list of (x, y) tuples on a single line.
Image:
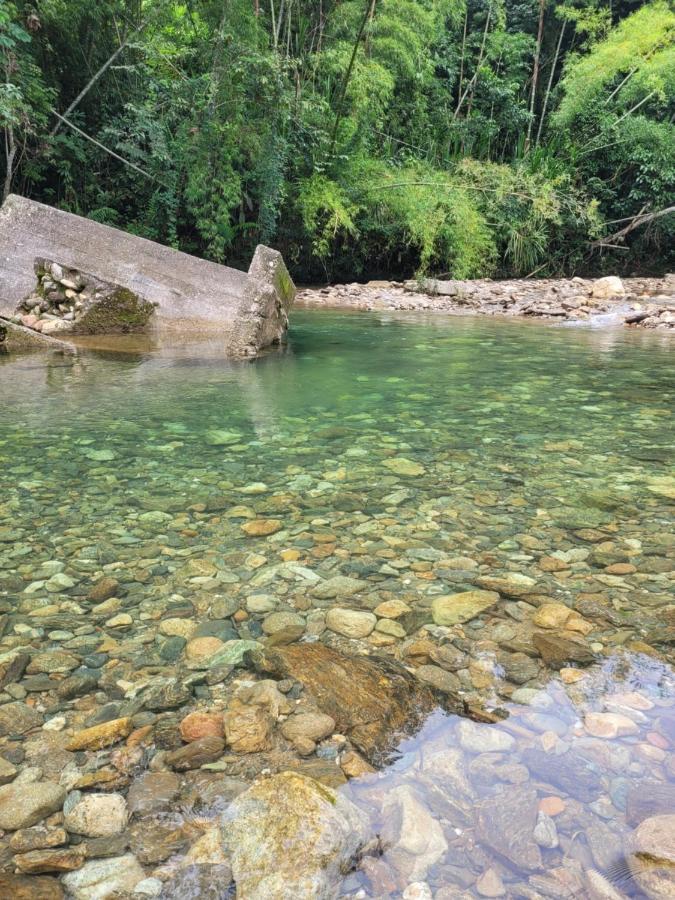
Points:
[(103, 878), (608, 287), (98, 815)]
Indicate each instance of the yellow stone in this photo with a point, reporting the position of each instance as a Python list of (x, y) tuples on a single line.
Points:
[(99, 736), (290, 555), (261, 527)]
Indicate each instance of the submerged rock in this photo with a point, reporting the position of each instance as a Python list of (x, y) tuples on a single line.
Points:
[(457, 608), (103, 878), (652, 859), (373, 701), (22, 805), (289, 837), (413, 837), (506, 823)]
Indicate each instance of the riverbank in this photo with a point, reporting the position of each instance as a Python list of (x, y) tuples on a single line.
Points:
[(635, 302)]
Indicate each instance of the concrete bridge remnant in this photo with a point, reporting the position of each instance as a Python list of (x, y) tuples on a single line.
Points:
[(64, 274)]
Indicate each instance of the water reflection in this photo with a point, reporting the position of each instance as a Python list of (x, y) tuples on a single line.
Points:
[(545, 803)]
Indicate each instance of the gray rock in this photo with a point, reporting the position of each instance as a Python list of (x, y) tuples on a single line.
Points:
[(439, 679), (22, 805), (18, 718), (480, 738), (506, 821), (340, 586), (414, 837)]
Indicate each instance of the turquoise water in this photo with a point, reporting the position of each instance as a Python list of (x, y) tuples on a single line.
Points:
[(421, 454)]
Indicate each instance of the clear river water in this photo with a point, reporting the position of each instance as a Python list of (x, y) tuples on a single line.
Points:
[(425, 456)]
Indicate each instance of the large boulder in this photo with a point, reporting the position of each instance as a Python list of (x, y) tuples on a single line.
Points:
[(607, 287), (289, 837), (374, 701)]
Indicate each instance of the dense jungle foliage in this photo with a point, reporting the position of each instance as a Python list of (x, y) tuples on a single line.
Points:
[(361, 137)]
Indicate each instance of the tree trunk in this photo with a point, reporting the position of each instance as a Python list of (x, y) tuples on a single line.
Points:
[(370, 11), (551, 75), (10, 154), (535, 71)]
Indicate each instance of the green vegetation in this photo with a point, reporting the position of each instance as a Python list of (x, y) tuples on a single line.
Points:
[(361, 137)]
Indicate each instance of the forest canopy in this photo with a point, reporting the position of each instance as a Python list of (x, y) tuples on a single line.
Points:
[(361, 137)]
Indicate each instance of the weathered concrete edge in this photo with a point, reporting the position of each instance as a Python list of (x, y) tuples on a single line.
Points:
[(275, 291)]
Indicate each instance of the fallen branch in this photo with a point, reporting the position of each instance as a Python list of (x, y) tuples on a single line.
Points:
[(635, 222), (103, 147)]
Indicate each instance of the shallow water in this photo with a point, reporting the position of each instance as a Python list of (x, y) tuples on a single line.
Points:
[(420, 454)]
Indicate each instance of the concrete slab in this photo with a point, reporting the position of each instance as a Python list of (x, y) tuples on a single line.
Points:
[(249, 309)]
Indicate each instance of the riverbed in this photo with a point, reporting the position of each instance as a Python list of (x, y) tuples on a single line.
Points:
[(485, 503)]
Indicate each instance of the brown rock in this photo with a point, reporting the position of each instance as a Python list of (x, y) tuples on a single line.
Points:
[(373, 700), (248, 729), (197, 725), (551, 806), (314, 726), (558, 649), (104, 589), (18, 718), (20, 887), (12, 669), (261, 527), (63, 859), (609, 725), (152, 840), (153, 791), (40, 837), (99, 736), (202, 648), (192, 756), (354, 765), (652, 859)]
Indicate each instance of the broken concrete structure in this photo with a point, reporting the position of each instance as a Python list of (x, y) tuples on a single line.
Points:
[(190, 295), (68, 301)]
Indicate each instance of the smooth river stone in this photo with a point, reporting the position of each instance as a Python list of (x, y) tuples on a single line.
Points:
[(23, 805), (103, 878), (480, 738), (352, 623), (97, 815), (399, 465), (511, 584), (454, 609)]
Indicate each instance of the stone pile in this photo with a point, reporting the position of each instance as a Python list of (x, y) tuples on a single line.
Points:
[(67, 301), (635, 301)]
